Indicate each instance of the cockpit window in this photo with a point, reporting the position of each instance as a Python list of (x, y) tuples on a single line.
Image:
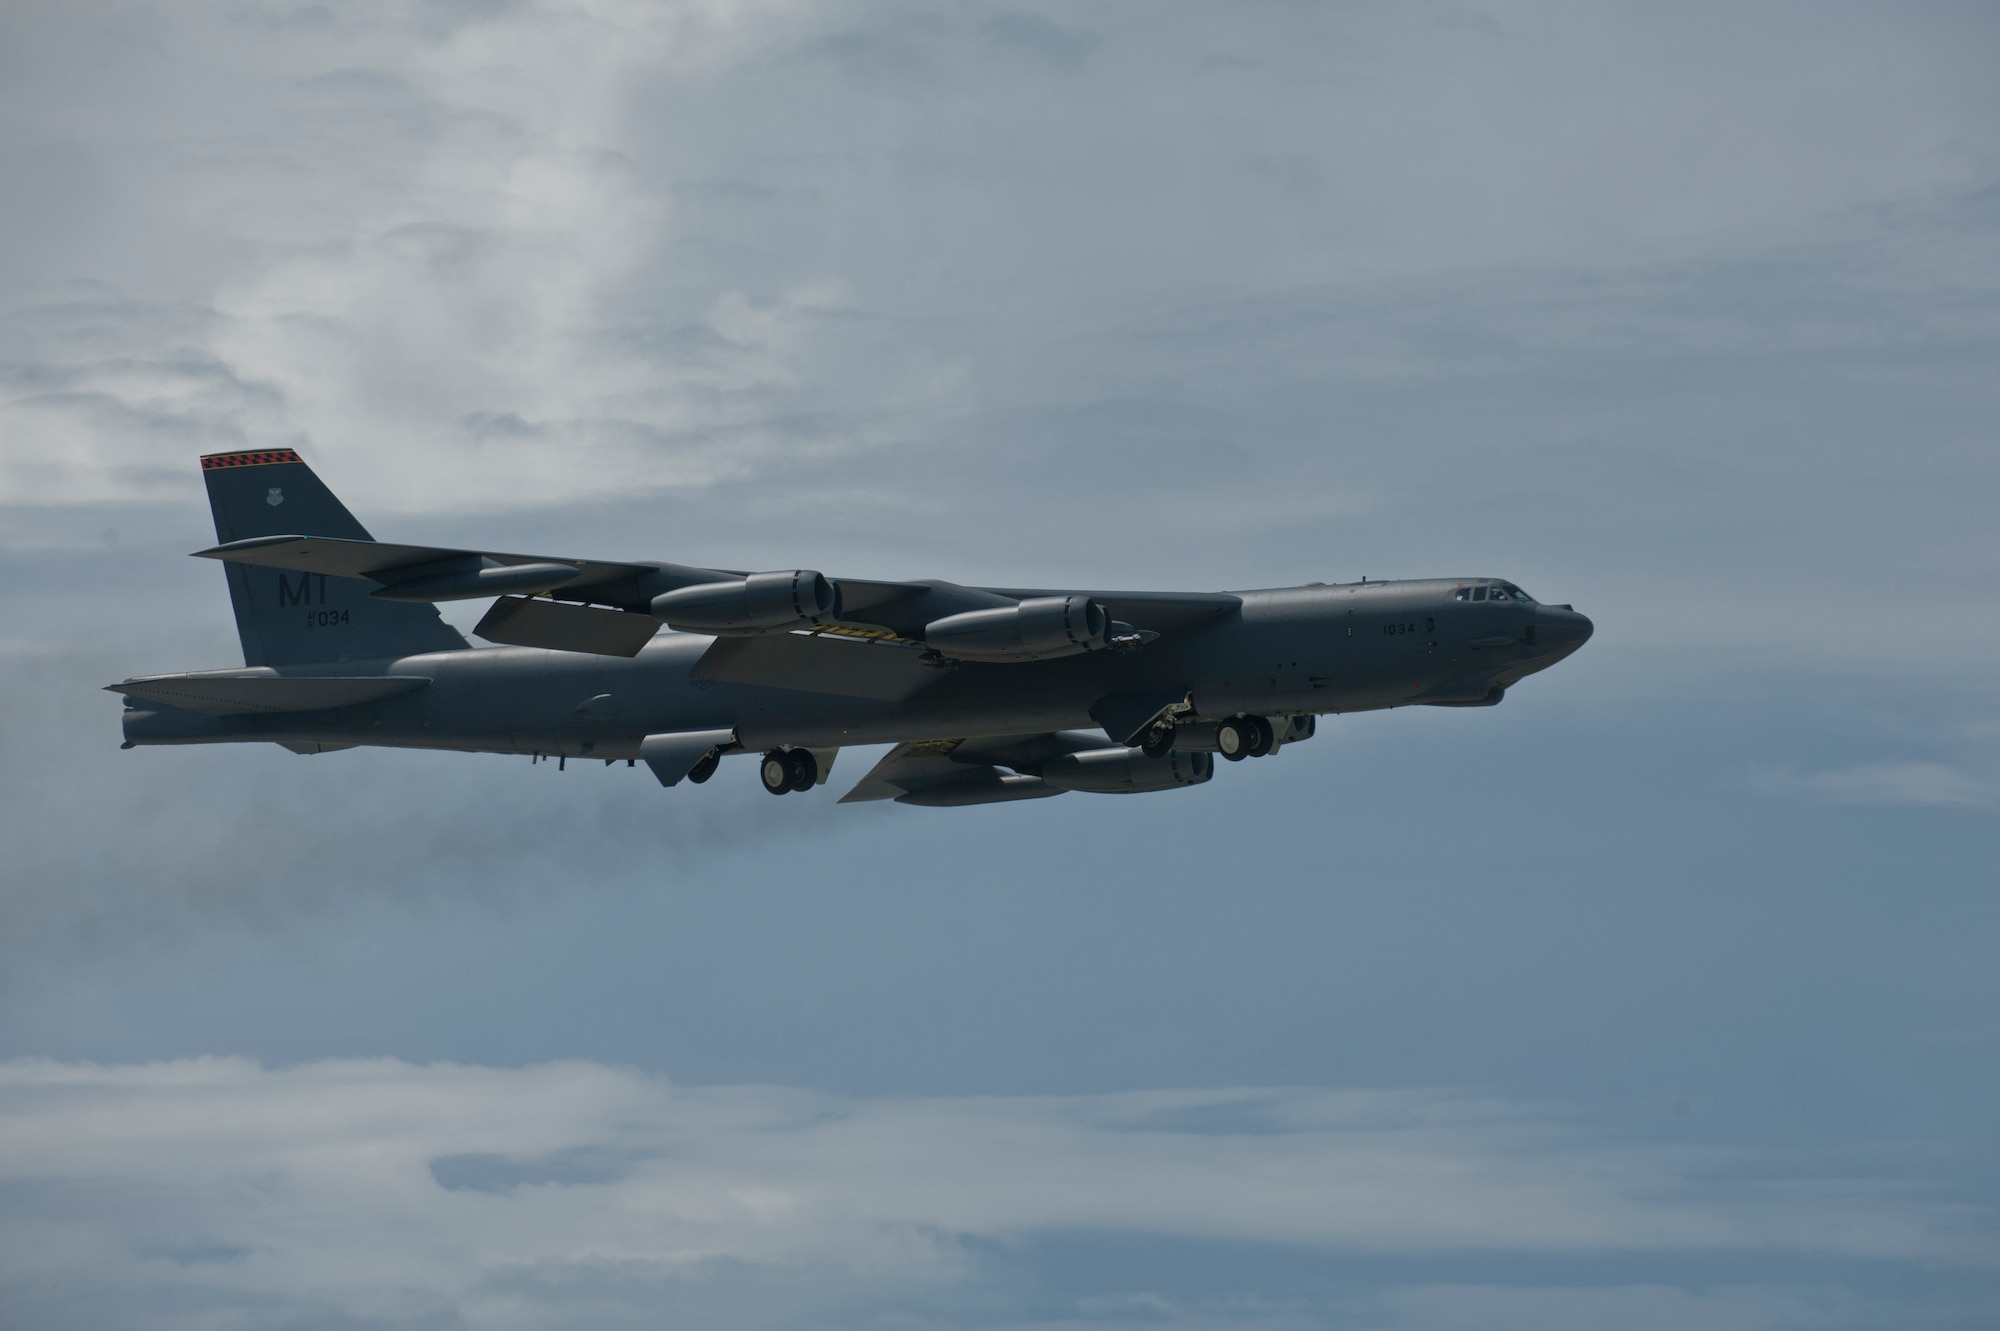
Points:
[(1505, 591)]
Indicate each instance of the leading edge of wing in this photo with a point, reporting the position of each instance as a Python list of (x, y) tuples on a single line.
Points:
[(389, 564), (438, 573)]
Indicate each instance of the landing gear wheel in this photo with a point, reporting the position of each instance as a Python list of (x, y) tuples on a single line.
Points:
[(1232, 739), (1262, 738), (776, 771), (705, 769), (1159, 741), (804, 769)]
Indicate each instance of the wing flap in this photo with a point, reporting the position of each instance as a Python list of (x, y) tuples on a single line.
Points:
[(519, 621), (819, 663)]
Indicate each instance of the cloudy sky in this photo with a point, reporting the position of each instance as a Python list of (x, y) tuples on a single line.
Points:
[(1661, 996)]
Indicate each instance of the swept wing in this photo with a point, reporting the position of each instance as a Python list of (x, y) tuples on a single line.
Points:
[(606, 606)]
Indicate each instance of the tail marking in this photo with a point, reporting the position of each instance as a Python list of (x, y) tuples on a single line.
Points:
[(217, 461)]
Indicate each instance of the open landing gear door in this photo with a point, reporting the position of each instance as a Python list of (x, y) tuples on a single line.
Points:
[(674, 755)]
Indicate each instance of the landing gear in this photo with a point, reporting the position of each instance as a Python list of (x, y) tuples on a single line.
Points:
[(705, 769), (1159, 741), (785, 770), (1242, 737)]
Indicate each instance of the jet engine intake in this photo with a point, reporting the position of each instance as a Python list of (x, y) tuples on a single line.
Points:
[(1037, 629), (759, 603), (1126, 771)]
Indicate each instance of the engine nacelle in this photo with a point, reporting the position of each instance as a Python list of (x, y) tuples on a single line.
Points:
[(1126, 771), (760, 603), (1037, 629)]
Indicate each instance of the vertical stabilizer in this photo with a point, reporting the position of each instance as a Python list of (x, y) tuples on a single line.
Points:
[(291, 618)]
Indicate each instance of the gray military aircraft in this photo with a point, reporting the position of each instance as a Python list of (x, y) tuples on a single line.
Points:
[(988, 693)]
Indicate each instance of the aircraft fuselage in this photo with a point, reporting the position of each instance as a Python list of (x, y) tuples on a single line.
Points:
[(1295, 651)]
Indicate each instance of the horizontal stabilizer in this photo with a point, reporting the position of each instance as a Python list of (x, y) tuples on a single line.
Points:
[(520, 622), (240, 693), (815, 663)]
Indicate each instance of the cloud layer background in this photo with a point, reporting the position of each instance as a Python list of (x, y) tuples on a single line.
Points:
[(1661, 995)]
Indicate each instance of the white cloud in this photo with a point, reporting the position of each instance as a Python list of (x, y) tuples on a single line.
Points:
[(381, 1189), (1883, 783), (510, 255), (429, 258), (1626, 1307)]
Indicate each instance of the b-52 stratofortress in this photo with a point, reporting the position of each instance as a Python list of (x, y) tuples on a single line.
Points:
[(987, 693)]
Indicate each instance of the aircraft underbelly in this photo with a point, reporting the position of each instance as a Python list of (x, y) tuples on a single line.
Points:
[(527, 701)]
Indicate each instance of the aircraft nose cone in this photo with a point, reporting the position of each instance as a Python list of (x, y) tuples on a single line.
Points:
[(1561, 627)]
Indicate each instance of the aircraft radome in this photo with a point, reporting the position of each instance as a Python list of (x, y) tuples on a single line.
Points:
[(988, 693)]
